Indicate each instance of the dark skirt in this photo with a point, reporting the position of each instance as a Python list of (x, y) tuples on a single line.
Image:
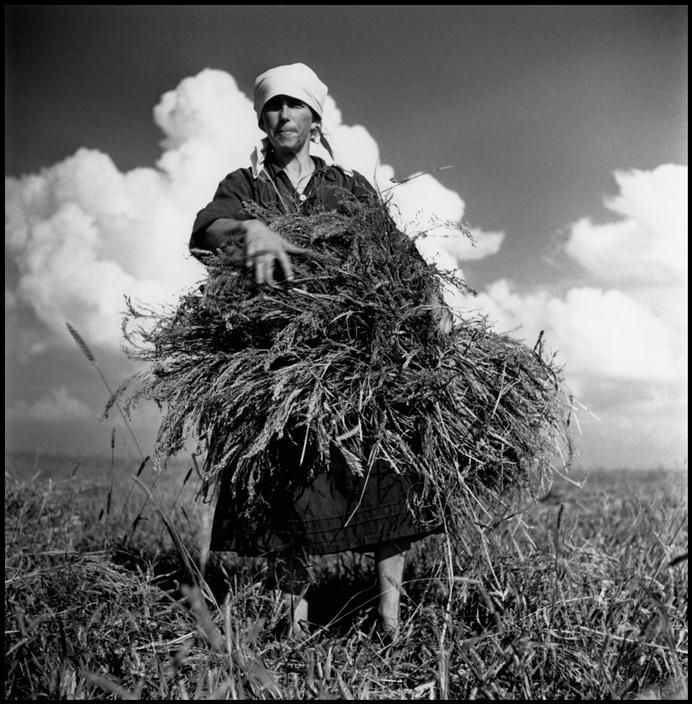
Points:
[(336, 511)]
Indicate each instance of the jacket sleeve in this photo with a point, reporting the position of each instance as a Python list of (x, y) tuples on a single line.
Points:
[(226, 203)]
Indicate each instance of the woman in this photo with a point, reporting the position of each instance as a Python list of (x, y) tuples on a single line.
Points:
[(337, 512)]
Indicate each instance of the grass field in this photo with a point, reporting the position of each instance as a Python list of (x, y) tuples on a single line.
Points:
[(111, 593)]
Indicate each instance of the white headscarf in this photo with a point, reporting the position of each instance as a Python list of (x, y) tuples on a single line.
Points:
[(295, 80)]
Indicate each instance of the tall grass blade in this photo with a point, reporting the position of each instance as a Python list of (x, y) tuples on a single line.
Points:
[(110, 490)]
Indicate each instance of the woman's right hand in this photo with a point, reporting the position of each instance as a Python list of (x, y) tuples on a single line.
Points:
[(264, 247), (261, 246)]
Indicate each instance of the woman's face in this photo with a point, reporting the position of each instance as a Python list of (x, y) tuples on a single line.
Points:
[(288, 123)]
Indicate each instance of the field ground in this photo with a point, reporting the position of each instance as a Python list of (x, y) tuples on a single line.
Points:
[(581, 596)]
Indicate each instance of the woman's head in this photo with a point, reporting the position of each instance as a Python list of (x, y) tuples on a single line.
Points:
[(289, 102)]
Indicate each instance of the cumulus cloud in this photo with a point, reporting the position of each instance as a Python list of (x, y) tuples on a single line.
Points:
[(597, 333), (83, 234), (648, 243), (434, 214)]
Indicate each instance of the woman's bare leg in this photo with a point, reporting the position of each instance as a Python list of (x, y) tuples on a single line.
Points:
[(390, 559), (297, 608)]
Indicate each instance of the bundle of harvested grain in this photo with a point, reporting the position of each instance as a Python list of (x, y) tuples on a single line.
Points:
[(347, 357)]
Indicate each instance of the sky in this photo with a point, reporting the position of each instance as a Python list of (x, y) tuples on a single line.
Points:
[(557, 134)]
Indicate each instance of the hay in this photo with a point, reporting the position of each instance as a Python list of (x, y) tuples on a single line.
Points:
[(347, 358)]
